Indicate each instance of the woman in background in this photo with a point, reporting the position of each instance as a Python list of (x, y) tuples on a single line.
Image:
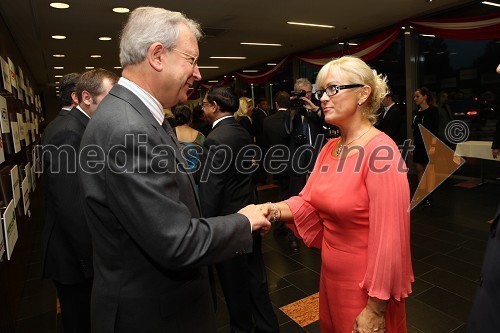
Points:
[(192, 139), (355, 208), (244, 114), (427, 115)]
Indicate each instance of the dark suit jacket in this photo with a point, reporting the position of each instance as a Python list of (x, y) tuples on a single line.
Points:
[(391, 124), (277, 131), (67, 249), (150, 244), (484, 316), (226, 192), (258, 117)]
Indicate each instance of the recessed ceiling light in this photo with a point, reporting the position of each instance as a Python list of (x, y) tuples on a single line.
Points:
[(347, 43), (95, 56), (57, 82), (121, 10), (89, 67), (236, 58), (105, 38), (260, 44), (491, 3), (57, 75), (59, 37), (213, 81), (312, 25), (207, 67), (250, 71), (59, 5), (271, 64), (58, 67), (58, 55), (425, 35), (117, 67)]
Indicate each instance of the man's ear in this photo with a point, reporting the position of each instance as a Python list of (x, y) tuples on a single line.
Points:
[(154, 54), (86, 98), (74, 98)]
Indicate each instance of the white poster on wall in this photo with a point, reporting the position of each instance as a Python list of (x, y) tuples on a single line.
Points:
[(5, 75), (5, 115), (15, 136), (12, 73), (25, 187), (10, 228), (14, 178)]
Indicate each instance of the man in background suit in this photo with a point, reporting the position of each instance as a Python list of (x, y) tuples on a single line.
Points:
[(259, 113), (67, 97), (67, 250), (484, 316), (277, 136), (226, 186), (151, 245), (390, 119), (495, 146)]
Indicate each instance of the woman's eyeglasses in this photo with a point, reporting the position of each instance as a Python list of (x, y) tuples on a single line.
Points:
[(334, 90)]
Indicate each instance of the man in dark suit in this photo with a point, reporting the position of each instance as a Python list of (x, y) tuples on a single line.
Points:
[(67, 97), (259, 113), (495, 146), (151, 245), (390, 119), (277, 136), (484, 316), (67, 250), (226, 186)]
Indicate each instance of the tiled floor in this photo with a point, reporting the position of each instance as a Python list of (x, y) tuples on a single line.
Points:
[(448, 241)]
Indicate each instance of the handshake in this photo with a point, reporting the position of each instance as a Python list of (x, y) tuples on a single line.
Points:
[(261, 216)]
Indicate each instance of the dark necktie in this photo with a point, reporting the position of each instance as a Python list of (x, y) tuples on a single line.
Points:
[(172, 135)]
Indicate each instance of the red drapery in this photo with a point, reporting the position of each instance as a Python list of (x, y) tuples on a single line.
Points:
[(472, 28), (263, 77)]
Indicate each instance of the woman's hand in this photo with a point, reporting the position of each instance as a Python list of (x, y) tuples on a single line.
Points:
[(372, 318)]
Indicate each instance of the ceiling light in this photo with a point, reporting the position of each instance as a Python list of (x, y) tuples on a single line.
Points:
[(121, 10), (95, 56), (236, 58), (57, 82), (250, 71), (491, 3), (58, 55), (59, 37), (207, 67), (260, 44), (59, 5), (57, 75), (312, 25), (89, 67), (213, 81), (271, 64), (105, 38), (425, 35), (58, 67), (117, 67)]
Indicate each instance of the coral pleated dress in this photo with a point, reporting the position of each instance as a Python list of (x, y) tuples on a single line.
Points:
[(356, 209)]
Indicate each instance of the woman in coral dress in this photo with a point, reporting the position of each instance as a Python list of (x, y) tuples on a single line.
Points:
[(355, 207)]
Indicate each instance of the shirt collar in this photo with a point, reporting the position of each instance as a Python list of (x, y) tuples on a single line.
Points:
[(81, 110), (151, 103), (219, 120)]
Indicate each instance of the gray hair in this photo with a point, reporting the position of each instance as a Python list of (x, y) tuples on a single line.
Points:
[(148, 25), (300, 82)]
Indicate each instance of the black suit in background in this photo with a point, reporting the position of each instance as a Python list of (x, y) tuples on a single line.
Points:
[(496, 137), (67, 248), (484, 317), (243, 279), (258, 117), (391, 123), (151, 247)]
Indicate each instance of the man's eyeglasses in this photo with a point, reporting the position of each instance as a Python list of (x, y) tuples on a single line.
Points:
[(191, 58), (334, 90), (203, 104)]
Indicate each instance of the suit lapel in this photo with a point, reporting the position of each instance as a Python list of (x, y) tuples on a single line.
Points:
[(226, 121), (83, 119), (126, 95)]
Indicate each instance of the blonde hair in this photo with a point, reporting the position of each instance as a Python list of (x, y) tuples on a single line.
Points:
[(356, 71), (243, 109)]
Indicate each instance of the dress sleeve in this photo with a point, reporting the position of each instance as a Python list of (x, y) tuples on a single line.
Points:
[(389, 273), (307, 224)]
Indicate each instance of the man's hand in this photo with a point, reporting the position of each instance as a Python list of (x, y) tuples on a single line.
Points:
[(257, 217), (309, 105), (495, 153)]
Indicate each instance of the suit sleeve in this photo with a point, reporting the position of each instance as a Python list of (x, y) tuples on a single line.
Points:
[(145, 194)]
